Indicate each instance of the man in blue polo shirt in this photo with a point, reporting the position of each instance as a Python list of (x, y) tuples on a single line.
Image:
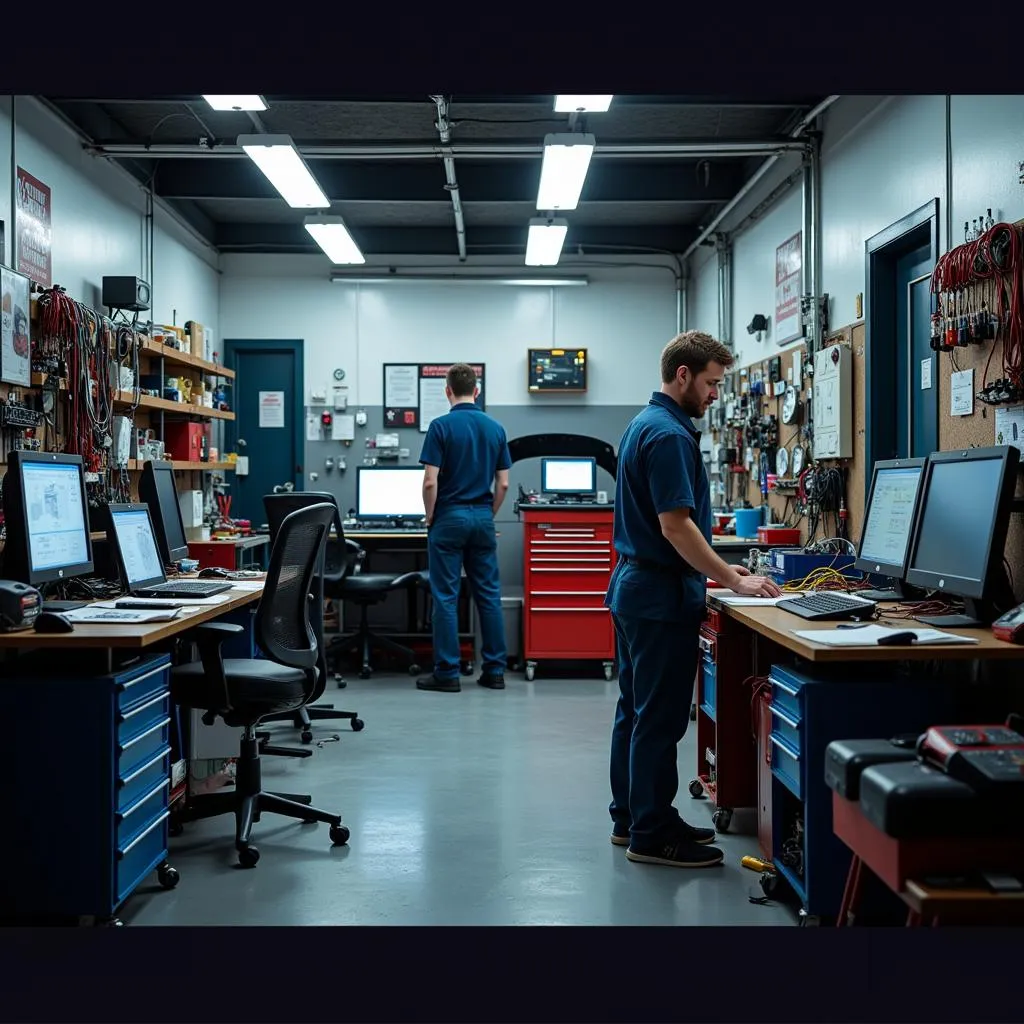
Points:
[(657, 599), (466, 460)]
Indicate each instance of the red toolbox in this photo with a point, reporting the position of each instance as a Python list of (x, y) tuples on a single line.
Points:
[(183, 442)]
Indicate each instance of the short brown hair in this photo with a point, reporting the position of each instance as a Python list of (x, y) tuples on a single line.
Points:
[(461, 378), (694, 350)]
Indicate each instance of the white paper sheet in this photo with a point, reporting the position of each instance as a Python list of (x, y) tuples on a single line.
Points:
[(271, 409), (962, 393), (1010, 425), (739, 600), (868, 636)]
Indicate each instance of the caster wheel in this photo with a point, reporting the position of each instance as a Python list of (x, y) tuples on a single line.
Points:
[(110, 922), (769, 882), (307, 736), (696, 789), (531, 671), (364, 673), (608, 673), (167, 876), (340, 681), (175, 829), (466, 668), (415, 670), (693, 712), (339, 835), (248, 857), (358, 725), (721, 819)]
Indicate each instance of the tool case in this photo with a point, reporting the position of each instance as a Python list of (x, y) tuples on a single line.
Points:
[(845, 761)]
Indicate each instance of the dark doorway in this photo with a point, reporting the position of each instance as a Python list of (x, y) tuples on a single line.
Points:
[(901, 370)]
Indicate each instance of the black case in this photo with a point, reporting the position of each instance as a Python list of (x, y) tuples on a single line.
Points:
[(845, 760)]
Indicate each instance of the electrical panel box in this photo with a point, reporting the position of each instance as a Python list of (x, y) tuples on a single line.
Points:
[(833, 403)]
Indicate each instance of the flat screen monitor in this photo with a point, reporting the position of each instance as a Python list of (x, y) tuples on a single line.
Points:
[(568, 476), (960, 532), (46, 518), (132, 529), (889, 517), (389, 492), (157, 489), (557, 369)]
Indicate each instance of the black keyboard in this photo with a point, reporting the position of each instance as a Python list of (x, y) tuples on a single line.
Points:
[(822, 607), (185, 588)]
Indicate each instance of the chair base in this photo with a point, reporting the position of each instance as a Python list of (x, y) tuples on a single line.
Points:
[(365, 641), (303, 719)]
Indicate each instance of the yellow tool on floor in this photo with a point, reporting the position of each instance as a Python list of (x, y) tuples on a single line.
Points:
[(756, 864)]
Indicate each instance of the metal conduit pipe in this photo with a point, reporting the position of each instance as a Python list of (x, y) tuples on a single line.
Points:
[(444, 130)]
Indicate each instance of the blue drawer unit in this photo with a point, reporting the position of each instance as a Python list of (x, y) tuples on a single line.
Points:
[(92, 755), (809, 710), (709, 679)]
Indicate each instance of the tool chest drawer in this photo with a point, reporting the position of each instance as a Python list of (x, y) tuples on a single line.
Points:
[(708, 682), (787, 691), (787, 727)]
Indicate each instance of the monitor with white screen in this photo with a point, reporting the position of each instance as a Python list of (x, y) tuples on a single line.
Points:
[(889, 517), (58, 527), (140, 558), (568, 476), (389, 492)]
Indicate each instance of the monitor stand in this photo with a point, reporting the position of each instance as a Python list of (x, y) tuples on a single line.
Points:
[(900, 591), (978, 612)]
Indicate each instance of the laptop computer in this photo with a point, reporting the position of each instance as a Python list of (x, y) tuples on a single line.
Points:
[(142, 569)]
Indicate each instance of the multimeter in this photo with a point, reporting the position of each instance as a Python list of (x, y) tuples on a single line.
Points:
[(1010, 627)]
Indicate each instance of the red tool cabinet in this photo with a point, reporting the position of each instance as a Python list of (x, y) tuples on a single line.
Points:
[(568, 559)]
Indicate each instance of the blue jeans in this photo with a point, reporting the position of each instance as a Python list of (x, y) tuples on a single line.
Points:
[(458, 537), (657, 665)]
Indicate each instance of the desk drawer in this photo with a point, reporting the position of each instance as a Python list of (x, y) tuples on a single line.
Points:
[(786, 696), (137, 857), (139, 815), (138, 742), (141, 683), (786, 765), (135, 782), (787, 727)]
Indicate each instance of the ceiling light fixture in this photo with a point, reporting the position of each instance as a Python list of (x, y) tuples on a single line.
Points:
[(461, 279), (563, 170), (277, 157), (236, 102), (544, 242), (332, 236), (582, 104)]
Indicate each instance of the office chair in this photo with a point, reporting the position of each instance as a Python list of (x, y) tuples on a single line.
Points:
[(338, 560), (245, 691)]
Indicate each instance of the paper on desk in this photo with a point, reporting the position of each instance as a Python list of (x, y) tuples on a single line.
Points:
[(741, 600), (250, 586), (866, 636), (107, 614)]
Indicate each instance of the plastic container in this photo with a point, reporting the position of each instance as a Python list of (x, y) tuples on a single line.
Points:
[(747, 522)]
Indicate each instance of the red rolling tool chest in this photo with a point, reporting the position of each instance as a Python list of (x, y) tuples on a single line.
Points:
[(568, 560), (726, 745)]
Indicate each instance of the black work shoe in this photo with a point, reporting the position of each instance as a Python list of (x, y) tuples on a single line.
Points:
[(677, 853), (492, 682), (619, 838), (696, 835), (438, 685)]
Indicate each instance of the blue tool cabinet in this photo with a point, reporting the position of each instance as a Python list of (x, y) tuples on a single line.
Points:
[(808, 712), (84, 784)]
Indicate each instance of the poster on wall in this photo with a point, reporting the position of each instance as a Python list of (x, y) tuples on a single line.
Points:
[(788, 289), (401, 394), (433, 401), (15, 352), (271, 409), (32, 228)]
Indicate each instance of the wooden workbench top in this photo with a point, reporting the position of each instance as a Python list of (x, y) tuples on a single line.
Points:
[(128, 636), (778, 625)]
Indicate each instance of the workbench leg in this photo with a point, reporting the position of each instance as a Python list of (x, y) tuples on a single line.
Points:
[(913, 919), (851, 894)]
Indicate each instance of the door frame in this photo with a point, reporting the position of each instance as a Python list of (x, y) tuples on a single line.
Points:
[(296, 347), (881, 253)]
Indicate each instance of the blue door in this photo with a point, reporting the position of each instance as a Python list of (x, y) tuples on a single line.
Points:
[(268, 405), (917, 391)]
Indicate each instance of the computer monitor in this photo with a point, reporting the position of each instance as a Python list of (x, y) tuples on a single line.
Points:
[(960, 532), (46, 518), (888, 523), (138, 558), (568, 476), (389, 492), (157, 490)]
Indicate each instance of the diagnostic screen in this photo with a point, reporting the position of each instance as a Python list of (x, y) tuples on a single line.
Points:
[(891, 516), (956, 518), (556, 369), (386, 493), (58, 533), (568, 476), (141, 559)]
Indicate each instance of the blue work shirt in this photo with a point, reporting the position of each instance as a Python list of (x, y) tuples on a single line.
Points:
[(468, 447), (660, 470)]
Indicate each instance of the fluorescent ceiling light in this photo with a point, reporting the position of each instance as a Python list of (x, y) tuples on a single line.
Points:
[(277, 157), (563, 171), (582, 104), (332, 236), (477, 279), (236, 102), (544, 242)]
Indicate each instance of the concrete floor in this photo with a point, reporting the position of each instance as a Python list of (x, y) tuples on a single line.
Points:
[(477, 808)]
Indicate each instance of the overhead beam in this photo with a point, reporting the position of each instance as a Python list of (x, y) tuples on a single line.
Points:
[(440, 241), (513, 182)]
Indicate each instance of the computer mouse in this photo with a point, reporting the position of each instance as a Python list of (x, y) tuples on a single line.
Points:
[(53, 622), (213, 572), (894, 639)]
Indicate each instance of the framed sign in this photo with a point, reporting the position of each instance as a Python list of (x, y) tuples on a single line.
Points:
[(15, 344), (788, 289), (32, 229)]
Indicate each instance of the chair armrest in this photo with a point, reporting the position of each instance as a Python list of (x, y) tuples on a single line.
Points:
[(208, 637)]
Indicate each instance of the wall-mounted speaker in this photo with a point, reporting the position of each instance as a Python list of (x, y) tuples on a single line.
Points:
[(130, 293)]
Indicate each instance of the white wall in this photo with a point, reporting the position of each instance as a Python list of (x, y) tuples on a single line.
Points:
[(98, 222), (623, 318)]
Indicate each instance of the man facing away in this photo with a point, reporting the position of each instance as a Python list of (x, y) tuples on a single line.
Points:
[(466, 461), (657, 598)]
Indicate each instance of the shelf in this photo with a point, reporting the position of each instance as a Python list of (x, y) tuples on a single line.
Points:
[(173, 355), (199, 467), (148, 402)]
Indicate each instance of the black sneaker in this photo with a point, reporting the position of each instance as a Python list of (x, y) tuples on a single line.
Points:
[(620, 837), (695, 834), (492, 682), (677, 853), (439, 685)]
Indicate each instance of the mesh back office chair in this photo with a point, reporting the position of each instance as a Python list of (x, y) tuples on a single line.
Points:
[(245, 691), (338, 560)]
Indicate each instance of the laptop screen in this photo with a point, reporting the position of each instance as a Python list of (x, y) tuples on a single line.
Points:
[(139, 555)]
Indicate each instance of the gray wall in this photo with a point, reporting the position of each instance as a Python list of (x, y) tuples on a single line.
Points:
[(604, 422)]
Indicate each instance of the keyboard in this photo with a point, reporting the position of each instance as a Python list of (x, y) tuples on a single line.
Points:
[(822, 607), (185, 588)]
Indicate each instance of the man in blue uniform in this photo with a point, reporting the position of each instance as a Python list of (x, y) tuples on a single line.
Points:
[(466, 460), (657, 599)]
